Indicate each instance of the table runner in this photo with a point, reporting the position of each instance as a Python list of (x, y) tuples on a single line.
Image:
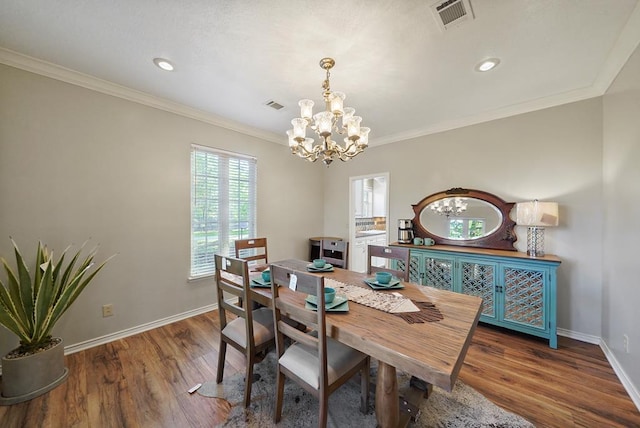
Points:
[(394, 303)]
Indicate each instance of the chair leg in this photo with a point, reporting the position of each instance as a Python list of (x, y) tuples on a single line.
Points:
[(221, 357), (324, 408), (277, 414), (364, 386), (248, 381)]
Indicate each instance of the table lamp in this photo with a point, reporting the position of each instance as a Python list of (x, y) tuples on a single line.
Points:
[(536, 216)]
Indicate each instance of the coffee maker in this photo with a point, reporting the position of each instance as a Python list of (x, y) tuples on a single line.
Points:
[(405, 231)]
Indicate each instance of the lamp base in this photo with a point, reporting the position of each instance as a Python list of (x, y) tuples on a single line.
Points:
[(535, 241)]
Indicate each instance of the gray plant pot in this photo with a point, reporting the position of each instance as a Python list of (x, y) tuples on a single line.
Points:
[(27, 377)]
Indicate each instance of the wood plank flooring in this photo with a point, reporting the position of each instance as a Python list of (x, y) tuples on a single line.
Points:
[(142, 381)]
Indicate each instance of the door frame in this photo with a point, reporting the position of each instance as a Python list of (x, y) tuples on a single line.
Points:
[(352, 207)]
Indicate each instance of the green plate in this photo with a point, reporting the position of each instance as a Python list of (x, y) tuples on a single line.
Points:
[(394, 284), (327, 268), (339, 304), (260, 283)]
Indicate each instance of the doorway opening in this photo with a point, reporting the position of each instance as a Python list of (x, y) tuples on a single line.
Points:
[(368, 216)]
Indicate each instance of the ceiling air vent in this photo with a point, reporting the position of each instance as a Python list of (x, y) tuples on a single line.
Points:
[(274, 105), (451, 13)]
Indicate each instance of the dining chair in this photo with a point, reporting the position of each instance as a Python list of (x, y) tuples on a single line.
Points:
[(391, 254), (335, 252), (317, 363), (252, 250), (252, 332)]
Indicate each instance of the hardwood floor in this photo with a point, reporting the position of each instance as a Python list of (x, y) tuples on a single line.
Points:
[(142, 381)]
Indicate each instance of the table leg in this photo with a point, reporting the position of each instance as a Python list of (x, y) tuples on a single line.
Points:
[(387, 402)]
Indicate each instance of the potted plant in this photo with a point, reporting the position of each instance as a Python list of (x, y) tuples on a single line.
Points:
[(31, 302)]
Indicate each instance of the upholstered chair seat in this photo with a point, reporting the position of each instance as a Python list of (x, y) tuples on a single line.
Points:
[(263, 330), (302, 360)]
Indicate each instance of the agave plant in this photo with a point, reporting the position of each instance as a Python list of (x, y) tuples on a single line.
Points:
[(30, 305)]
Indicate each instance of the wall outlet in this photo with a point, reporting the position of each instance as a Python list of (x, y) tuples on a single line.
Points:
[(625, 343), (107, 310)]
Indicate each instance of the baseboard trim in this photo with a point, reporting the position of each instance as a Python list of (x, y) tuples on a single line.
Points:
[(81, 346), (624, 379), (582, 337)]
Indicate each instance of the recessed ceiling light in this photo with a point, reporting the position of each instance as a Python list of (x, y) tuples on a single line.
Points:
[(163, 64), (487, 64)]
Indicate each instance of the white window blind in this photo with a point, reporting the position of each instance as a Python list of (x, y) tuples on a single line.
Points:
[(223, 205)]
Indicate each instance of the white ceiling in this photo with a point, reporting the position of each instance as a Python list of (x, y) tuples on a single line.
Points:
[(401, 73)]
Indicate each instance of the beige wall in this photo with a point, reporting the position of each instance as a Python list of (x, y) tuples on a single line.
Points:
[(76, 164), (621, 289), (553, 154)]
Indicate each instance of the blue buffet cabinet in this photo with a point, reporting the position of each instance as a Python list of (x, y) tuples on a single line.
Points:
[(518, 291)]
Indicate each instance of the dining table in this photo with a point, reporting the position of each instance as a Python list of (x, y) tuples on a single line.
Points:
[(430, 348)]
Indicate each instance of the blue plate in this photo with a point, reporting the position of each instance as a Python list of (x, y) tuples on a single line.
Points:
[(327, 268), (394, 284), (339, 304)]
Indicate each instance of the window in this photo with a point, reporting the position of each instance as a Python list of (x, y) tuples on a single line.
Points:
[(466, 228), (223, 205)]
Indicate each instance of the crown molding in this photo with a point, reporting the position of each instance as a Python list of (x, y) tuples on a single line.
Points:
[(47, 69), (512, 110), (624, 47)]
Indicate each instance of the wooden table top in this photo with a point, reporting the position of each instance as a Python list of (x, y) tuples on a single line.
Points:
[(431, 351)]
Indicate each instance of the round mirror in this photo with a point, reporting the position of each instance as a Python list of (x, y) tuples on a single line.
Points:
[(465, 217), (461, 218)]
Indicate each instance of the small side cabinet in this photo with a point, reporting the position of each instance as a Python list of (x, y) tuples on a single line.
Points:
[(518, 291)]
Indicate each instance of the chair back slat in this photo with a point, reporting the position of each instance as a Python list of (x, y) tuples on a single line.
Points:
[(252, 250), (298, 335), (335, 252), (303, 315), (398, 254), (233, 308)]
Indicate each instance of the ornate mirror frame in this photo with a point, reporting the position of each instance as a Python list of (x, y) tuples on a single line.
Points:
[(502, 238)]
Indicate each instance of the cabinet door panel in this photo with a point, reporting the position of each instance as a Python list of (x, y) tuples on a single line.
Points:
[(479, 279), (524, 299), (438, 272)]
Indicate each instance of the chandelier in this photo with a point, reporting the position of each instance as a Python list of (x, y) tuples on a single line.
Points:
[(324, 124), (449, 206)]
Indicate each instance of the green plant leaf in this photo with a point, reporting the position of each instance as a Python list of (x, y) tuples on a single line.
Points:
[(30, 309), (8, 316), (13, 300)]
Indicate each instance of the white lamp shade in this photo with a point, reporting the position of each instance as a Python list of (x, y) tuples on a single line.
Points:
[(306, 108), (353, 126), (337, 101), (323, 122), (299, 127), (536, 213)]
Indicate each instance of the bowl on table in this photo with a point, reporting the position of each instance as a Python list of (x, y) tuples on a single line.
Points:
[(319, 263), (329, 294), (266, 275), (383, 277)]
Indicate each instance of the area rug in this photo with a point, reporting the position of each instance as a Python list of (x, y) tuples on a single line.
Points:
[(464, 407)]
